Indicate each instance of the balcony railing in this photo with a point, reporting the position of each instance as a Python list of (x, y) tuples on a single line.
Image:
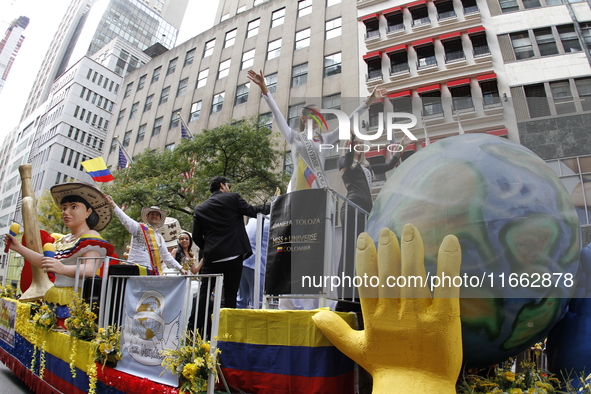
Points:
[(395, 28), (471, 10), (454, 56), (426, 62), (432, 110), (463, 104), (481, 50), (491, 102), (446, 15), (372, 74), (372, 34), (399, 68), (421, 22)]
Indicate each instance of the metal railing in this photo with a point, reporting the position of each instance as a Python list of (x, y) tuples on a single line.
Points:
[(454, 56), (421, 22), (426, 62), (446, 15), (399, 68), (481, 50)]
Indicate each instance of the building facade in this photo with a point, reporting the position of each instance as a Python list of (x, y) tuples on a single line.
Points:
[(10, 45)]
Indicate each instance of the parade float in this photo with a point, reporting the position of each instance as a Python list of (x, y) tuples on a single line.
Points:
[(510, 218)]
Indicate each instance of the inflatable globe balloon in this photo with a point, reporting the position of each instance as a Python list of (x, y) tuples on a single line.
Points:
[(517, 226)]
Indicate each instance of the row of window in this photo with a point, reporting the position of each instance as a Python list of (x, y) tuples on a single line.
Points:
[(414, 16), (425, 54), (97, 99), (79, 135), (553, 98), (100, 80), (73, 158), (544, 41), (520, 5), (89, 117)]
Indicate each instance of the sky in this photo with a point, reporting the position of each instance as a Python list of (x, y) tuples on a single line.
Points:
[(44, 18)]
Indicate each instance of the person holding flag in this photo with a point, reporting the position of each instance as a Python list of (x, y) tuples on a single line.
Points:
[(148, 248), (307, 157)]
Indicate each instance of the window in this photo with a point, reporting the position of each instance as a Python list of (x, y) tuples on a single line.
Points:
[(586, 28), (148, 104), (217, 103), (563, 97), (304, 7), (241, 9), (156, 74), (462, 98), (490, 94), (169, 147), (299, 75), (224, 69), (225, 17), (375, 110), (332, 64), (372, 28), (420, 16), (509, 5), (157, 126), (230, 38), (266, 120), (432, 106), (584, 89), (164, 95), (247, 59), (426, 56), (278, 17), (293, 115), (195, 111), (569, 38), (208, 50), (537, 101), (394, 22), (273, 49), (119, 118), (522, 45), (332, 2), (479, 44), (258, 2), (374, 67), (202, 78), (141, 133), (174, 119), (470, 7), (531, 3), (453, 50), (242, 93), (142, 82), (331, 102), (445, 10), (171, 66), (333, 28), (126, 138), (302, 39), (134, 109), (402, 104), (545, 41), (253, 28), (127, 90), (271, 81), (189, 57), (182, 89), (399, 62)]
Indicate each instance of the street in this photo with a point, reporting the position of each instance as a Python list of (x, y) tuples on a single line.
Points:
[(9, 383)]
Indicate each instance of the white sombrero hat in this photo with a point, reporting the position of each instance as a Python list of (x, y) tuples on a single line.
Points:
[(91, 194), (146, 211), (171, 230)]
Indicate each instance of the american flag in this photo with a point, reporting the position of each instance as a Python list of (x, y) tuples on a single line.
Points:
[(184, 131), (122, 162)]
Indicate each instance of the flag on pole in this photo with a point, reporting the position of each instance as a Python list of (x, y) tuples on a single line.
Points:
[(122, 162), (184, 131), (97, 169)]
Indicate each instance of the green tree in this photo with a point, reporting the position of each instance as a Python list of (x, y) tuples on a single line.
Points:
[(50, 215), (177, 180)]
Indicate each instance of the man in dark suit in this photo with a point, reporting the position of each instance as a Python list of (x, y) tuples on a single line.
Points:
[(219, 231)]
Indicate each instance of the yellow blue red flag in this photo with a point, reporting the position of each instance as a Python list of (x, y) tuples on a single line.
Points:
[(305, 177), (97, 169)]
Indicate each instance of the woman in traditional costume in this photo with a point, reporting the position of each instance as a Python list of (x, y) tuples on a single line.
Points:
[(85, 211)]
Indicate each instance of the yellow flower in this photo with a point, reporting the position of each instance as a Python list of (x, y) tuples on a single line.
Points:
[(515, 391), (510, 376), (189, 370), (205, 346)]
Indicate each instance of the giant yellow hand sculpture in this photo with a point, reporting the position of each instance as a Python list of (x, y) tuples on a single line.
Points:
[(412, 343)]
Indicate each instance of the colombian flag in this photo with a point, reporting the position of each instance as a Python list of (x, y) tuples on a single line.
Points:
[(305, 177), (280, 352), (97, 169)]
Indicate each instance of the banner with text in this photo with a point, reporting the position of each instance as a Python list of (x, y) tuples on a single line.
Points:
[(7, 319)]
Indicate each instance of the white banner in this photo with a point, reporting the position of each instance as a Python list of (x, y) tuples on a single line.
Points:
[(7, 319), (154, 320)]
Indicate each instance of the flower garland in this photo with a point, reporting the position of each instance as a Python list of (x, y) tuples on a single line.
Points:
[(44, 320), (193, 363)]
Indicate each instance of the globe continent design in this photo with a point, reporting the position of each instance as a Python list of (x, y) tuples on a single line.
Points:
[(511, 214)]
